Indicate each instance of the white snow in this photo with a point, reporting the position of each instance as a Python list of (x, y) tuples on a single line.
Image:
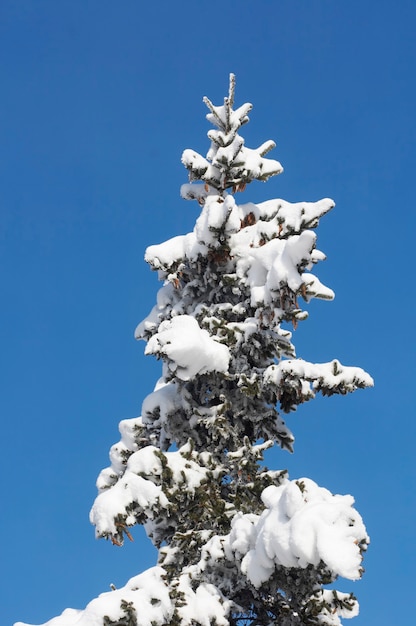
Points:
[(302, 524), (142, 486), (325, 376), (265, 257), (165, 399), (217, 214), (117, 500), (203, 606), (148, 592), (220, 115), (296, 216), (266, 252), (149, 595), (268, 268), (189, 348)]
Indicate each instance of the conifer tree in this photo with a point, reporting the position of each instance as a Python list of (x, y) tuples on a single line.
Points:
[(237, 543)]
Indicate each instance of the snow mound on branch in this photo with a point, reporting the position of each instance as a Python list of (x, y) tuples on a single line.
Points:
[(293, 217), (268, 249), (217, 214), (148, 597), (142, 487), (147, 592), (203, 605), (272, 219), (332, 377), (305, 524), (276, 263), (189, 348), (131, 489), (164, 254)]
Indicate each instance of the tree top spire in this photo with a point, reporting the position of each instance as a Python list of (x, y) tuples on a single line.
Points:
[(228, 163)]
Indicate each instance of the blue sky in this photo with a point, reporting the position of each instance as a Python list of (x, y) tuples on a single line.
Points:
[(98, 100)]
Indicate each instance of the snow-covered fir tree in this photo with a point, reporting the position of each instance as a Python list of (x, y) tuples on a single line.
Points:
[(237, 543)]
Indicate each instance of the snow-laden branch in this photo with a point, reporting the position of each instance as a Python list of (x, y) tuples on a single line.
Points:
[(189, 349), (296, 380)]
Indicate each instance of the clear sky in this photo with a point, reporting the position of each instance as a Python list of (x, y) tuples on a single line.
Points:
[(98, 99)]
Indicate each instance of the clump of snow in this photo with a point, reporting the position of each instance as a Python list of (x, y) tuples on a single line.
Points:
[(294, 217), (332, 377), (218, 214), (142, 487), (165, 297), (276, 263), (204, 605), (164, 399), (162, 254), (69, 617), (189, 348), (150, 597), (147, 592), (302, 524), (116, 501), (305, 524)]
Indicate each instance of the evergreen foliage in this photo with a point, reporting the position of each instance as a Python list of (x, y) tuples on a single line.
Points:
[(238, 543)]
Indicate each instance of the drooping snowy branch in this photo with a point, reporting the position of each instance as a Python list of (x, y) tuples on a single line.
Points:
[(302, 525), (296, 380)]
